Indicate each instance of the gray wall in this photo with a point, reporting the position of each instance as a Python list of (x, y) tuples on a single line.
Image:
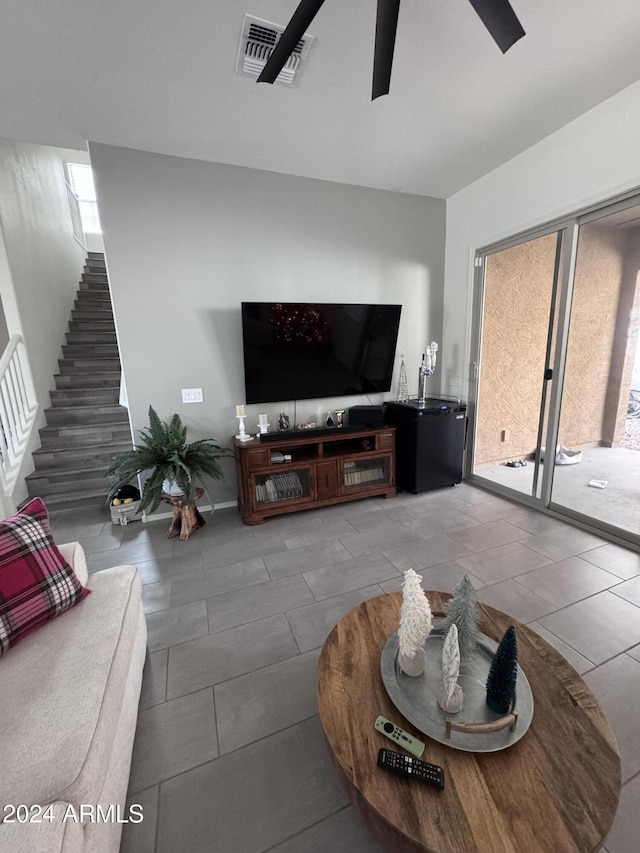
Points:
[(41, 263), (187, 241), (586, 162)]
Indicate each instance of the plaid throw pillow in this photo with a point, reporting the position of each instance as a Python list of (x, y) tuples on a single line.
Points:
[(36, 584)]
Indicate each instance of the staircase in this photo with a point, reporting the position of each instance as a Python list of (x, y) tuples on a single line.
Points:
[(86, 427)]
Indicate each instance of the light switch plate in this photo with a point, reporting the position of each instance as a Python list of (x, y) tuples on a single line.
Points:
[(192, 395)]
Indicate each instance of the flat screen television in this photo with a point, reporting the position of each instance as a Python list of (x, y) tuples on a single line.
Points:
[(302, 350)]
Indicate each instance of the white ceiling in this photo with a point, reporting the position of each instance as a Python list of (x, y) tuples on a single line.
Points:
[(159, 75)]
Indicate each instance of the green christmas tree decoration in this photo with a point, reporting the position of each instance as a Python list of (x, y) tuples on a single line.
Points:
[(501, 683), (463, 612)]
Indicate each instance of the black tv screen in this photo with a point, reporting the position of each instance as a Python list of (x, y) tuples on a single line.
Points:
[(302, 350)]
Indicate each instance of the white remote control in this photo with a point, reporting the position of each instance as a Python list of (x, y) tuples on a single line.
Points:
[(399, 736)]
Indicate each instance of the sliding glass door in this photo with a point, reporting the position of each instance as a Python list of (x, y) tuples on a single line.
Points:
[(518, 287), (597, 463), (555, 390)]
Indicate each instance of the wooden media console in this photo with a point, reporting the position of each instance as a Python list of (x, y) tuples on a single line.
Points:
[(323, 470)]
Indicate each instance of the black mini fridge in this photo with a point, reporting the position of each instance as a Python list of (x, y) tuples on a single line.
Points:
[(429, 443)]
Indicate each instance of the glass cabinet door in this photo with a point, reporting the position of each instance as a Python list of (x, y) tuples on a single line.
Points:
[(366, 472), (290, 485)]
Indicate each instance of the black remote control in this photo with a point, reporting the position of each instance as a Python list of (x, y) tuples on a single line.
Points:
[(411, 768)]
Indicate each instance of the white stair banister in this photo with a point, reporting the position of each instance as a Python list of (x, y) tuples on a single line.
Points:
[(18, 408)]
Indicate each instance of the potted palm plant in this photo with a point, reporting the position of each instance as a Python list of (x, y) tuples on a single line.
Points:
[(176, 468)]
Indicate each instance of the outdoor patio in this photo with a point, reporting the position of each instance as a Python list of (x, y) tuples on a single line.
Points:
[(618, 503)]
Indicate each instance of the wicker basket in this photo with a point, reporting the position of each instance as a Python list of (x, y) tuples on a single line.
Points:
[(125, 513)]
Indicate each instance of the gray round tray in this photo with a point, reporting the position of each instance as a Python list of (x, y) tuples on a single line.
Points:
[(416, 697)]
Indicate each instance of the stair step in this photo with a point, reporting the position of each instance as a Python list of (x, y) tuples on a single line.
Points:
[(106, 379), (86, 414), (81, 352), (98, 315), (95, 265), (93, 287), (85, 397), (93, 305), (97, 336), (71, 435), (91, 325), (69, 482), (92, 290), (93, 302), (88, 498), (95, 255), (71, 458), (84, 294), (89, 365), (93, 294), (95, 275)]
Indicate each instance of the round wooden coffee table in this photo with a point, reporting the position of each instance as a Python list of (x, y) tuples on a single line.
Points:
[(555, 790)]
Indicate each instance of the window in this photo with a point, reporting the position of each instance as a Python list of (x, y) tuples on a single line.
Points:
[(81, 182)]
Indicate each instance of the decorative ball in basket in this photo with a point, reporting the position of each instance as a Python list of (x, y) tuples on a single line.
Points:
[(125, 505)]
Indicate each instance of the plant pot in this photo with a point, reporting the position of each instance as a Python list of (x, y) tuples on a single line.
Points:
[(170, 487), (413, 665)]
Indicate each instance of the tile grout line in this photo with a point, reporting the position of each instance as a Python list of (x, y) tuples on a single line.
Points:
[(268, 735), (157, 832), (528, 625), (215, 718), (306, 829), (218, 757), (295, 639), (548, 601)]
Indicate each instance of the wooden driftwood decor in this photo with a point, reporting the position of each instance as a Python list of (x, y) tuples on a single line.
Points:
[(186, 517)]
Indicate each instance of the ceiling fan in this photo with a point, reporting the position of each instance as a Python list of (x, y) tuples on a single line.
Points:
[(497, 16)]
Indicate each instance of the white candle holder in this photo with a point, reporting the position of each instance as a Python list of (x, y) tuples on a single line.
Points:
[(242, 434), (263, 428)]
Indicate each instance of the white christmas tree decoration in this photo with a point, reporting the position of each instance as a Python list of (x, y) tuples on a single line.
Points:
[(403, 389), (415, 625), (451, 696), (462, 612)]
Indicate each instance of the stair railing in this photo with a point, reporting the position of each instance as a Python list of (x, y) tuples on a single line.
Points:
[(18, 408)]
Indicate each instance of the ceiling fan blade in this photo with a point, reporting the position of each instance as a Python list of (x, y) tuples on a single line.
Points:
[(501, 21), (386, 25), (295, 29)]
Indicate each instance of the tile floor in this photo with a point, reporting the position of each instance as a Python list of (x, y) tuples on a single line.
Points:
[(229, 755)]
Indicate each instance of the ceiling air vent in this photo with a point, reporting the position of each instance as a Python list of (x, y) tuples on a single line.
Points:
[(256, 44)]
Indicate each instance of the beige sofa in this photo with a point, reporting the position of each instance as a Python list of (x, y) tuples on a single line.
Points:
[(69, 698)]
